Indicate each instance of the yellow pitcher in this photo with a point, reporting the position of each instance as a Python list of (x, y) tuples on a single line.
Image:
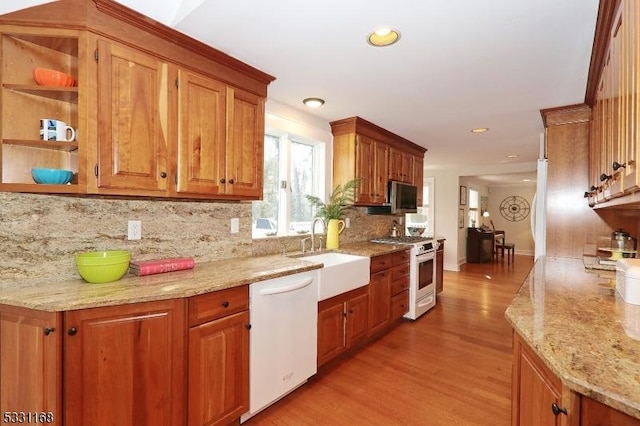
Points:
[(334, 229)]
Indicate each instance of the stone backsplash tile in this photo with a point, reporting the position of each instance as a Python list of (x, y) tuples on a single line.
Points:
[(40, 234)]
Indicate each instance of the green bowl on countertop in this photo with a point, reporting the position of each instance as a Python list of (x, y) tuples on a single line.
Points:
[(104, 266)]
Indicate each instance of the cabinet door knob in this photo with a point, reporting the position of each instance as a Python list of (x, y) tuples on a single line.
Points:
[(231, 181), (225, 304), (617, 165), (72, 331), (557, 410), (163, 175), (223, 180), (48, 330), (248, 326)]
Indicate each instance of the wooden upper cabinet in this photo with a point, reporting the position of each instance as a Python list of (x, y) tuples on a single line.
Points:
[(157, 113), (201, 133), (612, 91), (132, 119), (363, 150), (245, 144), (365, 169), (418, 177), (381, 172), (400, 166), (23, 103), (30, 348)]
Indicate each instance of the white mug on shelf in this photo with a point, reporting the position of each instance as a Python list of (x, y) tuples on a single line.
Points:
[(56, 130)]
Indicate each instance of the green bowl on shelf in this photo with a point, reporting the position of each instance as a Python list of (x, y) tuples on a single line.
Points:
[(105, 266)]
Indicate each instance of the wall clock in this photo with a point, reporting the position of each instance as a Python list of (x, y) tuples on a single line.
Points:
[(514, 208)]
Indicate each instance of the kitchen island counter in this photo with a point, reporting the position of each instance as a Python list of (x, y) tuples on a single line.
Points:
[(582, 330)]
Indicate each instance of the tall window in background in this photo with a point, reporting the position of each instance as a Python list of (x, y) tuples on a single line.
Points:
[(474, 208), (293, 167)]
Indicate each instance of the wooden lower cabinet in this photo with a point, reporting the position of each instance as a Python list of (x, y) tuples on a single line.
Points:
[(389, 277), (218, 384), (124, 365), (594, 413), (535, 392), (539, 397), (30, 364), (172, 362), (400, 276), (399, 304), (379, 300), (342, 323)]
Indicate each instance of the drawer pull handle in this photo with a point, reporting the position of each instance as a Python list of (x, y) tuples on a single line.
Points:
[(225, 304)]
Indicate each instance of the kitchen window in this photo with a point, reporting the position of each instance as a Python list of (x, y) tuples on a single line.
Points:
[(474, 205), (293, 167)]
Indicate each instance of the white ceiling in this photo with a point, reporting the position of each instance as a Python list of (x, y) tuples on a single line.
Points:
[(460, 64)]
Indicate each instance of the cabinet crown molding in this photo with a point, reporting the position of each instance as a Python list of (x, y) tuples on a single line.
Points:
[(361, 126), (570, 114)]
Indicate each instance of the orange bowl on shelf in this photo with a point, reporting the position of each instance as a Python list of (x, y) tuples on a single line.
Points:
[(47, 77)]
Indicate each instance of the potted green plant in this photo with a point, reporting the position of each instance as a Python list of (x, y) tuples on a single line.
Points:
[(333, 210)]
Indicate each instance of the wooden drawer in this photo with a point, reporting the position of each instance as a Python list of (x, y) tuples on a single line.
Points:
[(401, 257), (378, 263), (217, 304), (399, 285), (399, 271), (399, 304)]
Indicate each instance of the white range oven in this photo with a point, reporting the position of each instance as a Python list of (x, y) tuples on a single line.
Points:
[(422, 286)]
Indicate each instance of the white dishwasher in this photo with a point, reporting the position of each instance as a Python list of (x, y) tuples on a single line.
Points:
[(284, 330)]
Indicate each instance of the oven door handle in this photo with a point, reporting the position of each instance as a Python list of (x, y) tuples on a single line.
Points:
[(421, 258)]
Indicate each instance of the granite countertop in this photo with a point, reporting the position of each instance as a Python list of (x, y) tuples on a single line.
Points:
[(582, 330), (57, 296)]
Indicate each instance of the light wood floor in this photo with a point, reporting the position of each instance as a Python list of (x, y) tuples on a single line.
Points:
[(450, 367)]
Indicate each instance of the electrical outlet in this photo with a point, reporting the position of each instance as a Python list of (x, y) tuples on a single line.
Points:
[(347, 222), (235, 225), (134, 230)]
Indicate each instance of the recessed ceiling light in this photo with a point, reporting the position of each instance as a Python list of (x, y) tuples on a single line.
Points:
[(480, 130), (383, 37), (512, 156), (313, 102)]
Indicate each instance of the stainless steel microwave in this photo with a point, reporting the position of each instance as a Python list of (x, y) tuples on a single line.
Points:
[(402, 197)]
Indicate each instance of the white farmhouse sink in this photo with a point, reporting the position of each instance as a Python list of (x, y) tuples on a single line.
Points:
[(341, 273)]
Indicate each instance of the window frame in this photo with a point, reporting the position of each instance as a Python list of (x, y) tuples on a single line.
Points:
[(320, 154)]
